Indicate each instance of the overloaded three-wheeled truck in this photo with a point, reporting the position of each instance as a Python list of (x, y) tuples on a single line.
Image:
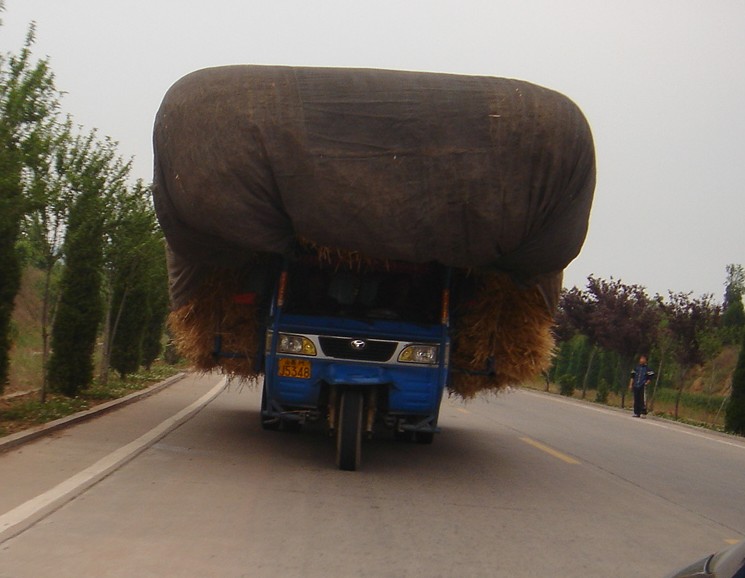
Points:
[(357, 347), (361, 240)]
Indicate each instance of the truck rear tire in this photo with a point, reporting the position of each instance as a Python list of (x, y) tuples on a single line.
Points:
[(349, 431)]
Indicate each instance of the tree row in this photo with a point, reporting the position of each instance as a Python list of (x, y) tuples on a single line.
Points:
[(601, 329), (67, 207)]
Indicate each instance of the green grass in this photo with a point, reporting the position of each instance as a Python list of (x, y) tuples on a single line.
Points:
[(33, 411), (697, 409), (21, 413), (117, 387), (691, 400)]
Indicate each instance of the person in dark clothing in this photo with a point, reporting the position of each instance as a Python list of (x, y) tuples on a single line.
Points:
[(641, 376)]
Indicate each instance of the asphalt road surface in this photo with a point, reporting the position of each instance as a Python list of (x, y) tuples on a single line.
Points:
[(523, 484)]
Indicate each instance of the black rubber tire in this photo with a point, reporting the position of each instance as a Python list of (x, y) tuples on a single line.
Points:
[(349, 431), (267, 423)]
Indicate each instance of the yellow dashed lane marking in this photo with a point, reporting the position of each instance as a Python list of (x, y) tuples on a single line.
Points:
[(460, 409), (550, 451)]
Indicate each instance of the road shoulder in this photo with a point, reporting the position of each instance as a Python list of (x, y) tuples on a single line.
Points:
[(46, 472)]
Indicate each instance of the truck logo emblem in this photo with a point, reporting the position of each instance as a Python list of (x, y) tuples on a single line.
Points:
[(358, 344)]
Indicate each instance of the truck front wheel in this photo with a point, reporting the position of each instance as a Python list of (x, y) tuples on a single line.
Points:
[(349, 430)]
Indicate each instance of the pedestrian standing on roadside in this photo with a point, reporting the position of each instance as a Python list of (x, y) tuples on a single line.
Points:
[(641, 377)]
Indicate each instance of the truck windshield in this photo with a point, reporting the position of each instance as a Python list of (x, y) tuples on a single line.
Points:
[(396, 292)]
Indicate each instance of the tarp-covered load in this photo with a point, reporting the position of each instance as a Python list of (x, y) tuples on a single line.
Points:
[(492, 176)]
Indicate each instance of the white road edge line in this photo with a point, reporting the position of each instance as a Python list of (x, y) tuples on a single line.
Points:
[(678, 427), (27, 514)]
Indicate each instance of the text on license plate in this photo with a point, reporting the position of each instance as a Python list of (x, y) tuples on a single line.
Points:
[(290, 367)]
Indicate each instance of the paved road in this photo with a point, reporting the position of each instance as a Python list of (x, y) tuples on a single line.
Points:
[(520, 485)]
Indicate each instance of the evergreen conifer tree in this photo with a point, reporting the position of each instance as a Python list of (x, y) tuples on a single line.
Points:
[(140, 284), (733, 318), (152, 343), (80, 308), (95, 174), (733, 321), (735, 416), (126, 348), (28, 104)]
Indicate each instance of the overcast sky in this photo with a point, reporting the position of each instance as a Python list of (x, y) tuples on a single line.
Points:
[(661, 82)]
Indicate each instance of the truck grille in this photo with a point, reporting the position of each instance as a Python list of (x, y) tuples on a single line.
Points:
[(341, 348)]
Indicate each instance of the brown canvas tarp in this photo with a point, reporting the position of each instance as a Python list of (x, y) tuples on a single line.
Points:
[(465, 170), (483, 173)]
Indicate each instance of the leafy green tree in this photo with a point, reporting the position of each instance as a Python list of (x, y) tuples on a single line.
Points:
[(578, 308), (152, 343), (571, 359), (689, 320), (137, 335), (80, 308), (136, 266), (735, 284), (129, 224), (733, 322), (44, 226), (623, 319), (594, 365), (616, 320), (94, 172), (137, 340), (137, 301), (581, 361), (607, 366), (28, 99), (733, 318), (661, 350), (561, 361), (563, 331), (127, 341), (734, 420)]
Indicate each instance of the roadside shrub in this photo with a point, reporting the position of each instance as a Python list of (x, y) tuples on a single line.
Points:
[(170, 353), (567, 384), (601, 395)]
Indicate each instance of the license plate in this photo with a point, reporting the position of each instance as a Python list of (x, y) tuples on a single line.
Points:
[(291, 367)]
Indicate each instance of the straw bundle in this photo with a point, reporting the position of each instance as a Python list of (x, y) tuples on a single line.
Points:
[(341, 259), (501, 327), (505, 328), (214, 322)]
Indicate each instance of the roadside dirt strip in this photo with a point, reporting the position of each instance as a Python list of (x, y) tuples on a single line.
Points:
[(21, 517)]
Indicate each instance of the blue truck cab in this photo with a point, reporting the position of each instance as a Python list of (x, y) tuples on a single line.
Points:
[(359, 347)]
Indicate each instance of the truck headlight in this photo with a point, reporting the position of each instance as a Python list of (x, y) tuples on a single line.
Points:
[(295, 344), (288, 343), (426, 354)]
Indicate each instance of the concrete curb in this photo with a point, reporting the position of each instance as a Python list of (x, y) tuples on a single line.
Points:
[(22, 517), (17, 439)]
